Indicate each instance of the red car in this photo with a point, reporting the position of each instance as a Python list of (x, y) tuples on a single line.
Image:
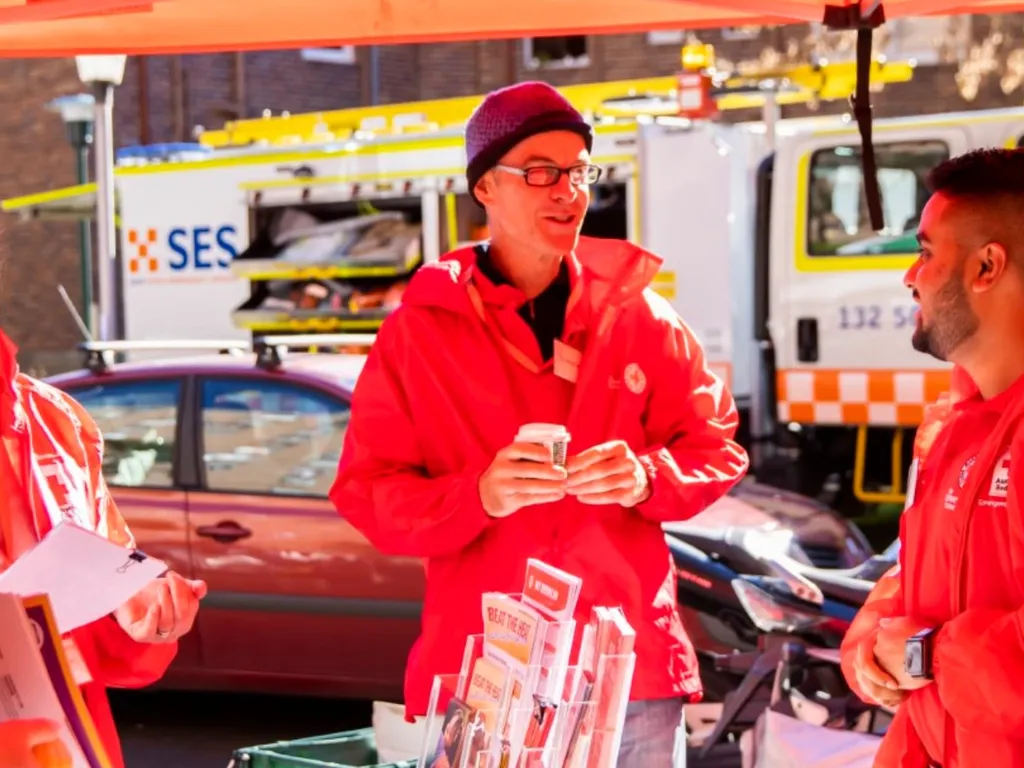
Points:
[(221, 466)]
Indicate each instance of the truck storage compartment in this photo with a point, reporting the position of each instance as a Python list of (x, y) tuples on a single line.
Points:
[(329, 267)]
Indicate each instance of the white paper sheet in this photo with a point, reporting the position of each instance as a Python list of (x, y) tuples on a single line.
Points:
[(84, 575)]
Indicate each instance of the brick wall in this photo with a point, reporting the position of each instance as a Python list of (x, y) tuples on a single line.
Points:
[(164, 98), (36, 257)]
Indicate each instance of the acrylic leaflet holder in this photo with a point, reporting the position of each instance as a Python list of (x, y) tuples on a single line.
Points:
[(538, 716)]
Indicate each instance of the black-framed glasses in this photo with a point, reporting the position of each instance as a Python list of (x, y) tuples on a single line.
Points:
[(548, 175)]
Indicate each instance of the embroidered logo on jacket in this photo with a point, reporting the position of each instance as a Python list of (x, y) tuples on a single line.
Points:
[(952, 495), (634, 379), (999, 487), (965, 470), (1001, 478)]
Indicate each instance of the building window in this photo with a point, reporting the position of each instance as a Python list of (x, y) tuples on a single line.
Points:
[(838, 222), (565, 52), (341, 54), (749, 32), (926, 40), (666, 37)]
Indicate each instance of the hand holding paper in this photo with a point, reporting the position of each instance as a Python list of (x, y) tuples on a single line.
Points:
[(87, 577), (163, 611)]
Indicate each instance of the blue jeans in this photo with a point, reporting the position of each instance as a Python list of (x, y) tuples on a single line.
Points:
[(654, 735)]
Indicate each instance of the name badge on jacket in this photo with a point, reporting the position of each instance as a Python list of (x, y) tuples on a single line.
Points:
[(567, 361)]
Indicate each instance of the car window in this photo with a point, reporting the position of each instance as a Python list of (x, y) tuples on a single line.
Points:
[(138, 421), (838, 223), (270, 437)]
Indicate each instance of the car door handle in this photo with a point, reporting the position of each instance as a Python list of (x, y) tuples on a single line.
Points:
[(224, 532)]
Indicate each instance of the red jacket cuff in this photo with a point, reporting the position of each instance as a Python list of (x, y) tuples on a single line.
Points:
[(117, 661)]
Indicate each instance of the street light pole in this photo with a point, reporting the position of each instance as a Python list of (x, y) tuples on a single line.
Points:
[(85, 238), (103, 73), (78, 113), (106, 226)]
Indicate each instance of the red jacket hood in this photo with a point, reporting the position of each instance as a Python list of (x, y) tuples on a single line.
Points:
[(615, 271)]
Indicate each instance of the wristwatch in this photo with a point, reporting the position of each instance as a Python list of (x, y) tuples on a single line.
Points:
[(917, 655)]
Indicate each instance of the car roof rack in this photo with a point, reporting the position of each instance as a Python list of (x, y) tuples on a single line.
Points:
[(271, 350), (100, 355)]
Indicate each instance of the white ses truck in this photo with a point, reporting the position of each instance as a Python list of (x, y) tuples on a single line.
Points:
[(312, 223)]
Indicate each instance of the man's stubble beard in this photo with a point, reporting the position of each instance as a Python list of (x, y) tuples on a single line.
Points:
[(952, 322)]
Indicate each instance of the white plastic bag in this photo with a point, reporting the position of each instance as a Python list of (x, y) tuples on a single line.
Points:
[(397, 740), (780, 741)]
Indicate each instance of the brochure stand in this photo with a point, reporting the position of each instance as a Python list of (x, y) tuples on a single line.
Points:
[(579, 732), (517, 702)]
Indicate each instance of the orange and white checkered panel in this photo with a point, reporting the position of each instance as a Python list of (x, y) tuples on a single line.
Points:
[(852, 397)]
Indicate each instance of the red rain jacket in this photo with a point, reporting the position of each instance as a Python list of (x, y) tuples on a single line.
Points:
[(962, 569), (452, 376), (59, 450)]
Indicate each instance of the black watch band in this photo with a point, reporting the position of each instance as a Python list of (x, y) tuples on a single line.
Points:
[(917, 655)]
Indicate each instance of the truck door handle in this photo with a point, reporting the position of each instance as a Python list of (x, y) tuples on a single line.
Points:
[(224, 532), (807, 339)]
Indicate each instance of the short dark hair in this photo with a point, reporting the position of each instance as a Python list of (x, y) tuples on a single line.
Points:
[(980, 173)]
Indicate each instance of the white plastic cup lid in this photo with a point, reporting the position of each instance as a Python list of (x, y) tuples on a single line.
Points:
[(542, 433)]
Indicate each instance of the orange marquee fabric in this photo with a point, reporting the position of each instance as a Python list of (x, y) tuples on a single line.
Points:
[(67, 27)]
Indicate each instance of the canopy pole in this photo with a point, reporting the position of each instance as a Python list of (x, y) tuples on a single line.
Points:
[(864, 17)]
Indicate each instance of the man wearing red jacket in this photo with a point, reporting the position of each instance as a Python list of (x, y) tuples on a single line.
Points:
[(51, 471), (540, 325), (943, 635)]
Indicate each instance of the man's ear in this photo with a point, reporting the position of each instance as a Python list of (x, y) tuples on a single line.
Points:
[(991, 262), (485, 188)]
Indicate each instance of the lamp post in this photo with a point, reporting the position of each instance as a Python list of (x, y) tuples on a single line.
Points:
[(104, 73), (78, 114)]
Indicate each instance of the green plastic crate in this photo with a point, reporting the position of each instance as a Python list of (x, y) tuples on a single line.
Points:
[(351, 749)]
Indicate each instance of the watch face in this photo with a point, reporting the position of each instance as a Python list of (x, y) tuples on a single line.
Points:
[(914, 658)]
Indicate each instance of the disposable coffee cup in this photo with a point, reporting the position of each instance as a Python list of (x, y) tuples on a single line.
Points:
[(554, 437)]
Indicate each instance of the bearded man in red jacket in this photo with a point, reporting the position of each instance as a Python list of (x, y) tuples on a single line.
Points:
[(942, 637), (540, 325)]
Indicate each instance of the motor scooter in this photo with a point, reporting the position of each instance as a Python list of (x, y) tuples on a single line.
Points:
[(744, 587), (734, 586)]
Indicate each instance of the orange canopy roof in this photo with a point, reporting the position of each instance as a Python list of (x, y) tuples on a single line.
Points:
[(67, 27)]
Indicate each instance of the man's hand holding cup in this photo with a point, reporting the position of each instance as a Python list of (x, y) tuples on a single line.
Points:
[(529, 471)]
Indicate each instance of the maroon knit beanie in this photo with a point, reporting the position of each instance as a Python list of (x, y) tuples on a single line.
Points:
[(509, 115)]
